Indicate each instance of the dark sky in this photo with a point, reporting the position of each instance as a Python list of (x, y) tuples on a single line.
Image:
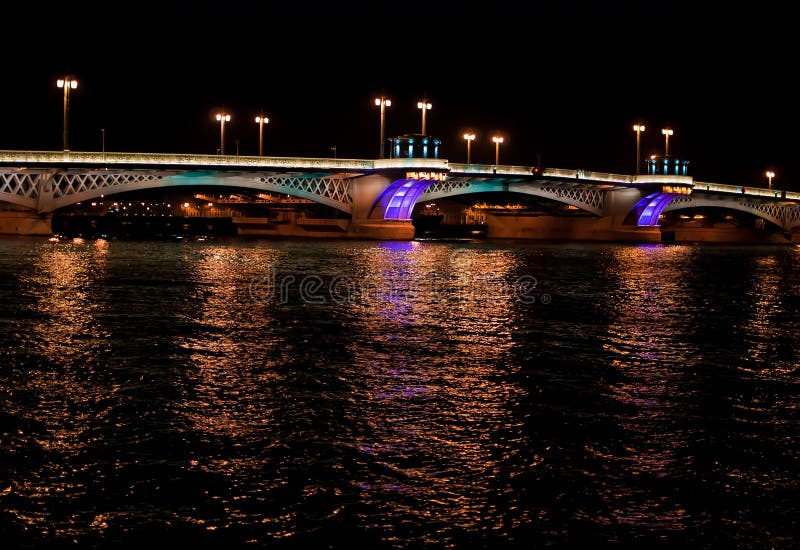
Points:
[(563, 84)]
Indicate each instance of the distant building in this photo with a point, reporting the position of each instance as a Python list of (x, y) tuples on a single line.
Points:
[(415, 146), (667, 166)]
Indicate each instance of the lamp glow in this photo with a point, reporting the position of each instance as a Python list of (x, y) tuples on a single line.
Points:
[(469, 137), (497, 141), (67, 84), (667, 132), (261, 120), (638, 128), (222, 118), (383, 102), (425, 106)]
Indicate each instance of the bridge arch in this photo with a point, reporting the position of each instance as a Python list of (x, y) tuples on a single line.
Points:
[(21, 187), (397, 200), (46, 191), (590, 198), (779, 215)]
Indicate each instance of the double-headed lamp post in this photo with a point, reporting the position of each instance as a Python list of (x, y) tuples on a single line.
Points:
[(469, 137), (261, 120), (497, 141), (425, 106), (770, 175), (383, 102), (68, 84), (667, 132), (222, 118), (638, 128)]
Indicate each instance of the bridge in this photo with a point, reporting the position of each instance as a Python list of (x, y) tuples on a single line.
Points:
[(376, 196)]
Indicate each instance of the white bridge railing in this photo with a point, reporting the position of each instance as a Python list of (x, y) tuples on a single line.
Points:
[(743, 190)]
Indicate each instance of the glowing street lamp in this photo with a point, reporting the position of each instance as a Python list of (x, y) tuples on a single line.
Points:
[(68, 84), (770, 175), (222, 118), (261, 120), (667, 132), (497, 141), (470, 138), (425, 106), (638, 128), (383, 102)]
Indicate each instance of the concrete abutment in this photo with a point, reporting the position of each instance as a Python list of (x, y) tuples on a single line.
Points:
[(25, 223)]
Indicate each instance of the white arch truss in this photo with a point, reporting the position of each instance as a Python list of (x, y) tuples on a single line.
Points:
[(335, 189), (586, 197), (20, 187), (48, 190), (785, 216)]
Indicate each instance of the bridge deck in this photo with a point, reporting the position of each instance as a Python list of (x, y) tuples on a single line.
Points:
[(162, 160)]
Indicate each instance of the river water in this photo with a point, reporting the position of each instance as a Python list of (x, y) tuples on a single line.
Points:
[(349, 394)]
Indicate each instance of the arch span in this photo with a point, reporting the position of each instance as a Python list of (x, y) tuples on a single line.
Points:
[(21, 187), (647, 211), (48, 190), (780, 215), (397, 201), (590, 198)]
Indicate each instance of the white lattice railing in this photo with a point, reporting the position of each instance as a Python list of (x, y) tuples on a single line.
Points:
[(334, 188), (782, 214), (47, 190), (587, 198), (767, 209), (450, 185), (71, 183), (20, 183)]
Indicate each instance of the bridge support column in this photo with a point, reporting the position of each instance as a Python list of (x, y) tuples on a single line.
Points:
[(367, 224), (618, 205), (25, 223)]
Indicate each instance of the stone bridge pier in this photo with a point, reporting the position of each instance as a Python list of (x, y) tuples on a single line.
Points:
[(367, 213), (25, 222)]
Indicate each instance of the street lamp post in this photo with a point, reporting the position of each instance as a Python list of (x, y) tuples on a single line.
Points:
[(261, 120), (770, 175), (470, 137), (497, 141), (68, 84), (425, 106), (383, 102), (667, 132), (638, 128), (222, 118)]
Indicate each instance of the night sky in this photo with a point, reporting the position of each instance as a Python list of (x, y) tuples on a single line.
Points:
[(563, 85)]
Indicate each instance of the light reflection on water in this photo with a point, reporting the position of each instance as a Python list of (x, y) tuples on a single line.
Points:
[(392, 394)]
